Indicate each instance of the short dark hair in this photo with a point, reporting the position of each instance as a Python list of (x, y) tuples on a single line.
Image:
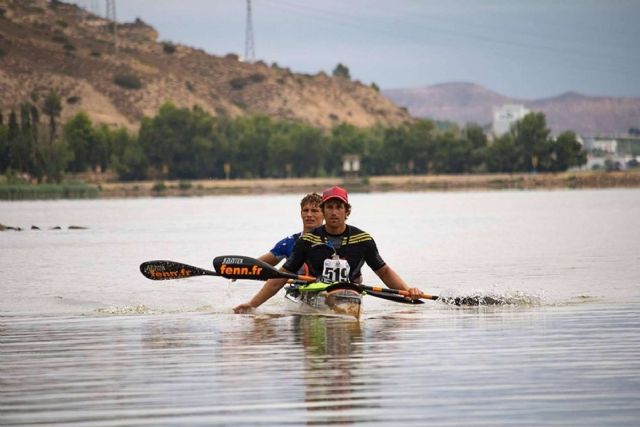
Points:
[(347, 206), (311, 199)]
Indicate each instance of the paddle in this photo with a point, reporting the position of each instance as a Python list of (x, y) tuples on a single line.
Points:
[(359, 288), (166, 270), (244, 267)]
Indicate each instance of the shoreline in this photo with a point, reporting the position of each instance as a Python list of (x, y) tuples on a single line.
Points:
[(94, 186), (480, 182)]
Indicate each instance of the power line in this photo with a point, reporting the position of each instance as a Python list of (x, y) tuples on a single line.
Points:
[(393, 28)]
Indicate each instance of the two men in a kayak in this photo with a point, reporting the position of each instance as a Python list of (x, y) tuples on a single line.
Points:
[(334, 251)]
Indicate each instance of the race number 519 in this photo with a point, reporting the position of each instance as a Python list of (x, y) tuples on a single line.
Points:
[(335, 270)]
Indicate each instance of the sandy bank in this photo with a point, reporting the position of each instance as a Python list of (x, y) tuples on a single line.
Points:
[(589, 179)]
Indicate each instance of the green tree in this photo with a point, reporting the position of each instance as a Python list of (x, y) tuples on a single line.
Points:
[(249, 152), (181, 143), (55, 158), (80, 138), (419, 148), (282, 154), (375, 160), (129, 159), (100, 152), (531, 140), (502, 154), (341, 71), (345, 139), (13, 142), (310, 150), (452, 153), (567, 152), (52, 108), (394, 151), (4, 148), (477, 145)]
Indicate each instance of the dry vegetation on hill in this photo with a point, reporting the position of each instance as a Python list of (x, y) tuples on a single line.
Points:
[(52, 45)]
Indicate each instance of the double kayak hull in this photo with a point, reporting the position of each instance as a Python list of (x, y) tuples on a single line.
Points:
[(329, 302)]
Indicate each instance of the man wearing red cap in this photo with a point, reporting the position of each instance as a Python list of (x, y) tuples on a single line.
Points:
[(334, 252)]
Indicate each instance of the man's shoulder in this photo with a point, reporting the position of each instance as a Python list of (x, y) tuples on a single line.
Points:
[(314, 236), (357, 235), (289, 239), (283, 248)]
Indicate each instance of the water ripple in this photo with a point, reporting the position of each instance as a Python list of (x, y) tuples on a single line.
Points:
[(545, 366)]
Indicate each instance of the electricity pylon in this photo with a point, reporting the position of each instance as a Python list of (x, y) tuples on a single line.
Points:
[(111, 16), (249, 46)]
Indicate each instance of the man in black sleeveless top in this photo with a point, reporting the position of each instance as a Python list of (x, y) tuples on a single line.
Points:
[(334, 252)]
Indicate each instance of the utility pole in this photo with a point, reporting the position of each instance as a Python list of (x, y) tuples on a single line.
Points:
[(111, 16), (249, 46)]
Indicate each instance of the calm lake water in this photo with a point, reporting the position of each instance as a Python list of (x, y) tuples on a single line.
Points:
[(86, 340)]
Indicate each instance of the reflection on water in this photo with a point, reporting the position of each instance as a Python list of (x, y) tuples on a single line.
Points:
[(555, 366), (330, 357), (85, 340)]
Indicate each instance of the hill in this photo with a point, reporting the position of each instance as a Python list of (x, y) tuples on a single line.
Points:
[(467, 102), (53, 45)]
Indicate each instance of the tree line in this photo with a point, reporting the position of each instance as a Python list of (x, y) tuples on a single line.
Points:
[(181, 143)]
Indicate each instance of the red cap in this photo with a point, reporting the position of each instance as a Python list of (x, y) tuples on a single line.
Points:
[(335, 192)]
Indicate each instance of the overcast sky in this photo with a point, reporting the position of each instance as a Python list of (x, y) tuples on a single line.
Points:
[(521, 48)]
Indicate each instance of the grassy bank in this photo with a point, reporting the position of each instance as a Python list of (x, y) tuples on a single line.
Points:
[(99, 188), (48, 191)]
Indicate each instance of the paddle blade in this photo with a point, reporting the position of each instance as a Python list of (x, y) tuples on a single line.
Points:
[(244, 267), (472, 300), (167, 270)]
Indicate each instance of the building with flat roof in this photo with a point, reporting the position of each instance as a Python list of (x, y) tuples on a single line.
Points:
[(507, 115)]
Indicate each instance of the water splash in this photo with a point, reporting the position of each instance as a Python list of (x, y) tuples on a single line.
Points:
[(491, 297), (145, 310), (139, 309)]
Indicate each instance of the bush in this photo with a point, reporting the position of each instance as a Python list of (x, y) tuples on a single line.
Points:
[(2, 52), (95, 53), (127, 81), (184, 185), (257, 77), (73, 100), (341, 70), (69, 47), (238, 83), (60, 38), (168, 48), (159, 187)]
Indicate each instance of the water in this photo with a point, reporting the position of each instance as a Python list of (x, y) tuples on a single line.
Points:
[(86, 340)]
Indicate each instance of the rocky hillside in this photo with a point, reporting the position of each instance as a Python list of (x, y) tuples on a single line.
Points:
[(466, 102), (52, 45)]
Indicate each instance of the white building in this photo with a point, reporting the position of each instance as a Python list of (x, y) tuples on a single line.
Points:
[(507, 115), (606, 145)]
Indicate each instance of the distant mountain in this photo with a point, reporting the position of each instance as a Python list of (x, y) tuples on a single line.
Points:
[(467, 102), (47, 45)]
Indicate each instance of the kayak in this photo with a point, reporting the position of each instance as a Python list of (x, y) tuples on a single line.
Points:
[(328, 299)]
